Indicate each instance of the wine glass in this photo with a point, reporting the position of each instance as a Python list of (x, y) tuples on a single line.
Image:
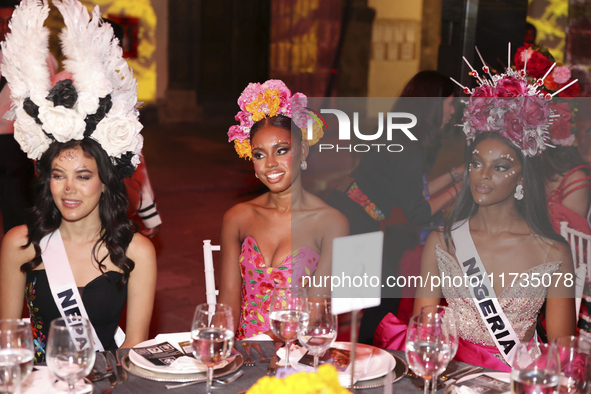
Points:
[(318, 332), (212, 336), (427, 348), (288, 307), (70, 350), (575, 364), (536, 369), (449, 327), (16, 353)]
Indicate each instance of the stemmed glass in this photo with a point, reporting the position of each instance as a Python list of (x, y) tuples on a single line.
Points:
[(16, 354), (427, 348), (70, 350), (575, 364), (288, 308), (318, 332), (449, 327), (212, 336), (536, 369)]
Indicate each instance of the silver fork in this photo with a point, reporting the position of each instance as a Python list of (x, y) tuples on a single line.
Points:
[(263, 360), (216, 382), (248, 362)]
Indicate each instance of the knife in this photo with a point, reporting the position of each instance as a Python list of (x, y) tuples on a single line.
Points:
[(273, 363)]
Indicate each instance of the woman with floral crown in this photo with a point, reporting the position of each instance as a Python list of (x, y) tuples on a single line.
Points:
[(78, 253), (285, 233), (498, 238)]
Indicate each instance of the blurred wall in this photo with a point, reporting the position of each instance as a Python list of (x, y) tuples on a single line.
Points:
[(144, 66), (396, 42)]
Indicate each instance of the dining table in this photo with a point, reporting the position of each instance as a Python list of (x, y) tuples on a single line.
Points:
[(139, 385)]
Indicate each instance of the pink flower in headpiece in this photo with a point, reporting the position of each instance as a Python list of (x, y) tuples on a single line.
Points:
[(250, 93), (237, 133), (478, 112), (510, 87), (512, 128), (298, 113), (483, 91), (532, 143), (245, 119), (284, 94), (561, 74), (535, 111), (561, 131)]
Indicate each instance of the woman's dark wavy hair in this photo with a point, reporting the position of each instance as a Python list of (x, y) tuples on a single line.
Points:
[(560, 160), (279, 121), (117, 230), (430, 84), (533, 205)]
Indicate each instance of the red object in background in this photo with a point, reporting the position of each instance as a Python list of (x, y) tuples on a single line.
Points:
[(130, 38)]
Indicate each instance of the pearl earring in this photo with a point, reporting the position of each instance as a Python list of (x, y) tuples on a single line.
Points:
[(303, 165)]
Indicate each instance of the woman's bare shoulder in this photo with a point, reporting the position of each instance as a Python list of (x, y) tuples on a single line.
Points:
[(555, 250), (13, 245), (141, 249)]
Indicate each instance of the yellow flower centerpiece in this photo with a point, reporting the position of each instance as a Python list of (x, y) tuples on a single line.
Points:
[(324, 381)]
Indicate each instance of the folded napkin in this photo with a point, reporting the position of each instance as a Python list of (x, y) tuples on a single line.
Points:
[(362, 361), (42, 381), (259, 337), (186, 363)]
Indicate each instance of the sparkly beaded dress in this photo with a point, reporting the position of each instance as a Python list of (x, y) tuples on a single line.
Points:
[(521, 305)]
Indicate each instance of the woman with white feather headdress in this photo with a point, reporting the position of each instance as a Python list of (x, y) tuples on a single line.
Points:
[(85, 136)]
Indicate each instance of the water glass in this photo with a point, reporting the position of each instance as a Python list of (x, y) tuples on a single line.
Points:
[(16, 354), (319, 331), (212, 336), (536, 369), (427, 348), (70, 351), (575, 364), (287, 311), (448, 325)]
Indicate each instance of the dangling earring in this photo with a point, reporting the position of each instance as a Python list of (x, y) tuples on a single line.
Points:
[(256, 175), (518, 192), (303, 165)]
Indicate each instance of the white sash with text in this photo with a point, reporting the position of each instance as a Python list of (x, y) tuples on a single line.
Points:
[(484, 296), (63, 286)]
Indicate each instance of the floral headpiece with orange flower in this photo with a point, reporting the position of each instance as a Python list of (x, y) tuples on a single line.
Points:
[(514, 104), (272, 98)]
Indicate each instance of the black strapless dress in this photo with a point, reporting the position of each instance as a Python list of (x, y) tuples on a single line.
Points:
[(103, 300)]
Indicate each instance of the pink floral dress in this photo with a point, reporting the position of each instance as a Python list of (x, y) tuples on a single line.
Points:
[(259, 281)]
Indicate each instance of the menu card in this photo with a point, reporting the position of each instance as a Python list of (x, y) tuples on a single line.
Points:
[(162, 354)]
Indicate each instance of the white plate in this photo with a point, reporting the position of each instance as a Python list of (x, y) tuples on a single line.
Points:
[(378, 364), (502, 376), (143, 363)]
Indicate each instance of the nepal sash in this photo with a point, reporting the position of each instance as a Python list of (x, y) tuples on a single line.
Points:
[(483, 293), (61, 282)]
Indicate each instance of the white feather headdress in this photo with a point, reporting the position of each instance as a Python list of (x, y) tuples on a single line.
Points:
[(99, 103)]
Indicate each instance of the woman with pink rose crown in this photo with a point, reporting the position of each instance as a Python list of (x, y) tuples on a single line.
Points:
[(499, 229), (286, 233)]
